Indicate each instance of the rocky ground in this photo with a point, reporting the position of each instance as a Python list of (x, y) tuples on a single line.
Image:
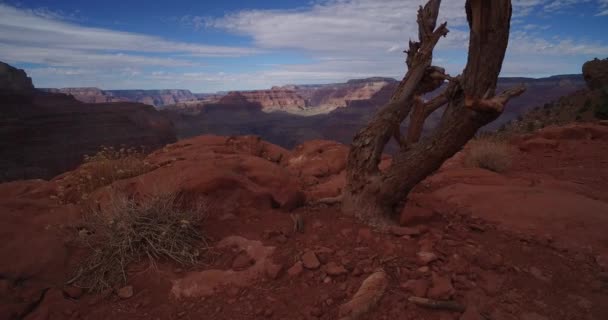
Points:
[(527, 244)]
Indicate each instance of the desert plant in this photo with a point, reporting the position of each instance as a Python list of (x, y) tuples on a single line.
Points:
[(104, 167), (126, 231), (488, 153)]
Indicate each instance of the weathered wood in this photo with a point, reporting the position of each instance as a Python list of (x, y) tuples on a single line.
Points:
[(374, 196)]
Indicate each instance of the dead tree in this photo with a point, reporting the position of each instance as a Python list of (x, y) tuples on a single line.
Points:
[(376, 196)]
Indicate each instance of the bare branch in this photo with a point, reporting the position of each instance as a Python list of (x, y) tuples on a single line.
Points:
[(495, 104)]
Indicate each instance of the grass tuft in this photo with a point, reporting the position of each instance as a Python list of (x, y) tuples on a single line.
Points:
[(157, 228), (488, 153)]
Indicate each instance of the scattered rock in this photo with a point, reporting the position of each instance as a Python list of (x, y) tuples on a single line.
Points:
[(273, 270), (125, 292), (242, 262), (310, 260), (364, 235), (296, 269), (424, 258), (442, 288), (367, 296), (406, 231), (334, 269), (73, 292), (418, 288)]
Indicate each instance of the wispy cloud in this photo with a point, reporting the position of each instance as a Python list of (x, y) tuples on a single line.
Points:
[(43, 36)]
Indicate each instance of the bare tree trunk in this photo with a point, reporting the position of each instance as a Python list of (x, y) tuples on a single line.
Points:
[(376, 196)]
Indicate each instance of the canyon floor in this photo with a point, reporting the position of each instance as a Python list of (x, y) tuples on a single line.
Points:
[(527, 244)]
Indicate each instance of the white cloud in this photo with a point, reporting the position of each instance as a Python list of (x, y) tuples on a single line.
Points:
[(42, 36)]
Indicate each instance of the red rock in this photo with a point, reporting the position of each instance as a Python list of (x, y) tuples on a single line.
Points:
[(310, 260), (273, 270), (424, 258), (406, 231), (412, 215), (334, 269), (296, 269), (441, 288), (125, 292), (538, 144), (418, 288), (73, 292), (364, 235), (242, 261)]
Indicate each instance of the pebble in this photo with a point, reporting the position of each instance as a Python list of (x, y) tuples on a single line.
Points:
[(125, 292), (334, 269), (442, 288), (310, 260), (296, 269), (424, 258)]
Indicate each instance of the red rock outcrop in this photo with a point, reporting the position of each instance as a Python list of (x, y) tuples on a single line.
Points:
[(13, 79), (595, 73)]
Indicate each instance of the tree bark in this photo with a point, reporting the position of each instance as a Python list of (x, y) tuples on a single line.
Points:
[(375, 196)]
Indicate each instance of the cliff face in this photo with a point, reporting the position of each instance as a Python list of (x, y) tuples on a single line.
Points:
[(87, 95), (43, 134), (596, 73), (157, 98), (275, 99), (13, 79), (235, 114)]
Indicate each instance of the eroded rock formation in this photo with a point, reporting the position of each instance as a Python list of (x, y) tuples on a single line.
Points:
[(13, 79), (596, 73)]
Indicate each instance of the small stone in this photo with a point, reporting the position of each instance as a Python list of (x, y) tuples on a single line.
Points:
[(125, 292), (317, 224), (296, 269), (310, 260), (73, 292), (242, 262), (364, 235), (334, 269), (272, 270), (424, 269), (424, 258), (405, 231), (327, 280), (417, 287), (442, 288)]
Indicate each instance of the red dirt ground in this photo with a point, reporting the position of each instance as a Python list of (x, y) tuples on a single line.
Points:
[(528, 244)]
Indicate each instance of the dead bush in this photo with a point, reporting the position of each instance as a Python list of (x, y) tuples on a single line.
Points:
[(488, 153), (101, 169), (126, 231)]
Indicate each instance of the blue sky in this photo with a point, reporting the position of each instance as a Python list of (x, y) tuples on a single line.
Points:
[(209, 46)]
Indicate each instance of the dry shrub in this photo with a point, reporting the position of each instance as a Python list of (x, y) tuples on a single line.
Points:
[(488, 153), (103, 168), (159, 227)]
